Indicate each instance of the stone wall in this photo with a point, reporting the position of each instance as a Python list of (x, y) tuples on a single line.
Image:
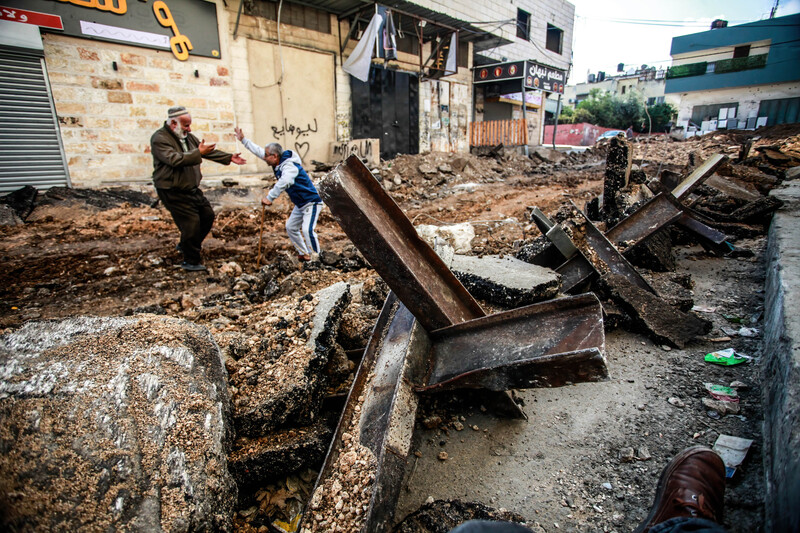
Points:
[(107, 116)]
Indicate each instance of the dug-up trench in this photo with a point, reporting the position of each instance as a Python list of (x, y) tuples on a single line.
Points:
[(589, 454)]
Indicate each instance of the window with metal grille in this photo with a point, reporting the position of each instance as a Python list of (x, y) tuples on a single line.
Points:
[(523, 25), (554, 38)]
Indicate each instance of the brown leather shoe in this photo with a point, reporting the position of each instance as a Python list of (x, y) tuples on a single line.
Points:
[(691, 485), (305, 257)]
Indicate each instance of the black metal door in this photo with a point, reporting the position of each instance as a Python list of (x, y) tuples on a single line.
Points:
[(386, 108)]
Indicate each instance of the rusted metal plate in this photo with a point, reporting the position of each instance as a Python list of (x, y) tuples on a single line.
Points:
[(388, 240), (600, 252), (575, 273), (542, 345)]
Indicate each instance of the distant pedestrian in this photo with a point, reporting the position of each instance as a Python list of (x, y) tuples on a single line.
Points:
[(177, 155), (292, 178), (629, 132)]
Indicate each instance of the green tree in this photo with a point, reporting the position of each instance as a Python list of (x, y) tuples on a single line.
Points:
[(660, 115), (567, 115)]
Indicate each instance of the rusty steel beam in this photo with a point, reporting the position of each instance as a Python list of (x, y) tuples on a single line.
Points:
[(655, 214), (600, 252), (700, 174), (541, 345), (388, 240)]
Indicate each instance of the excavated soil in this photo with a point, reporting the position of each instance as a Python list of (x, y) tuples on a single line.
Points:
[(96, 253)]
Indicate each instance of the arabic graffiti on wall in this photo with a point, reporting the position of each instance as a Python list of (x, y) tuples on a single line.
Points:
[(294, 132), (368, 149), (291, 129)]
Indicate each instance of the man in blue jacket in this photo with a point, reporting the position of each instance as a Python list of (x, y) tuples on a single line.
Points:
[(292, 178)]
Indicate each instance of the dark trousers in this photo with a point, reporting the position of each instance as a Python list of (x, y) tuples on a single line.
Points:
[(194, 217), (673, 525)]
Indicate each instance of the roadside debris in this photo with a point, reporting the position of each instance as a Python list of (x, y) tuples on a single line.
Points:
[(733, 451), (727, 357)]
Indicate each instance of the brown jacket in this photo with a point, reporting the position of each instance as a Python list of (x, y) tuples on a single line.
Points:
[(175, 169)]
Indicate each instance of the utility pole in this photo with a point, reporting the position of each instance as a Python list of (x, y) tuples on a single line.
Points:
[(774, 9)]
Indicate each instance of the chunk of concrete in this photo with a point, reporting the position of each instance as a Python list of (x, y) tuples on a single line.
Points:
[(662, 322), (282, 381), (114, 424), (506, 281), (458, 236)]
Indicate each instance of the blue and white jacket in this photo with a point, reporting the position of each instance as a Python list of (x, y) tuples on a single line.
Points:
[(292, 178)]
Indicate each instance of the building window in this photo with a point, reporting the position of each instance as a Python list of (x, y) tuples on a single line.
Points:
[(660, 100), (651, 100), (292, 14), (741, 51), (710, 66), (554, 38), (523, 25), (623, 89)]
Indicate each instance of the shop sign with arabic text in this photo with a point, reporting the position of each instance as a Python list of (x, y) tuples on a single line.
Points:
[(184, 27)]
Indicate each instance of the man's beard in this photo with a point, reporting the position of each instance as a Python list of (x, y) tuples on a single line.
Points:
[(179, 131)]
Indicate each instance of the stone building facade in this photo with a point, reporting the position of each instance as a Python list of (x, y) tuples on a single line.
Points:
[(287, 86)]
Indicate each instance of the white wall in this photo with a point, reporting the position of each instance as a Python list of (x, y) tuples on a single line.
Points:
[(748, 98)]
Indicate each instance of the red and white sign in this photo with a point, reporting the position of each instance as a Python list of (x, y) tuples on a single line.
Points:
[(45, 20)]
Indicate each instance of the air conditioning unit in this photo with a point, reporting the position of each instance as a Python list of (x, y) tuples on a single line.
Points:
[(591, 78)]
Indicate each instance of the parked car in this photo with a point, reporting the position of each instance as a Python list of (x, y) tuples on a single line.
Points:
[(610, 133)]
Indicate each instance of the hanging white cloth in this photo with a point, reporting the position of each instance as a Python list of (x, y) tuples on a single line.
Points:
[(358, 63), (450, 66)]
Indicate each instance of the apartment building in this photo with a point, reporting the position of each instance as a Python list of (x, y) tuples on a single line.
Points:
[(743, 76)]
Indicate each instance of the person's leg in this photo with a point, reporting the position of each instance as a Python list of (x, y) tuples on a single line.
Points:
[(184, 212), (206, 213), (310, 217), (294, 225), (687, 525), (488, 526)]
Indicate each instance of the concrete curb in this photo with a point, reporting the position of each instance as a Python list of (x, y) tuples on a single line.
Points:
[(781, 364)]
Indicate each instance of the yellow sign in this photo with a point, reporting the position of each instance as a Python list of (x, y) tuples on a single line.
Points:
[(180, 44), (119, 7)]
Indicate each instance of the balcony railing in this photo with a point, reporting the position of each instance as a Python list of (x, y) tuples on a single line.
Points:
[(741, 63), (719, 67)]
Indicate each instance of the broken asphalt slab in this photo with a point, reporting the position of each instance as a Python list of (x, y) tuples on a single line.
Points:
[(662, 322), (282, 381), (505, 281)]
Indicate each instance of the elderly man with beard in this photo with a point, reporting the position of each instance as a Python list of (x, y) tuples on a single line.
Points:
[(177, 155)]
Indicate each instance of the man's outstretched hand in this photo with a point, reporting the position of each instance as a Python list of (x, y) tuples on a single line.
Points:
[(238, 159), (238, 132), (206, 148)]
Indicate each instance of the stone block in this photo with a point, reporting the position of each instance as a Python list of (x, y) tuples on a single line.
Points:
[(119, 97), (138, 86)]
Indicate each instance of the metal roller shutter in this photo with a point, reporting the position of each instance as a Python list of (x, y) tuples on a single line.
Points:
[(30, 142)]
